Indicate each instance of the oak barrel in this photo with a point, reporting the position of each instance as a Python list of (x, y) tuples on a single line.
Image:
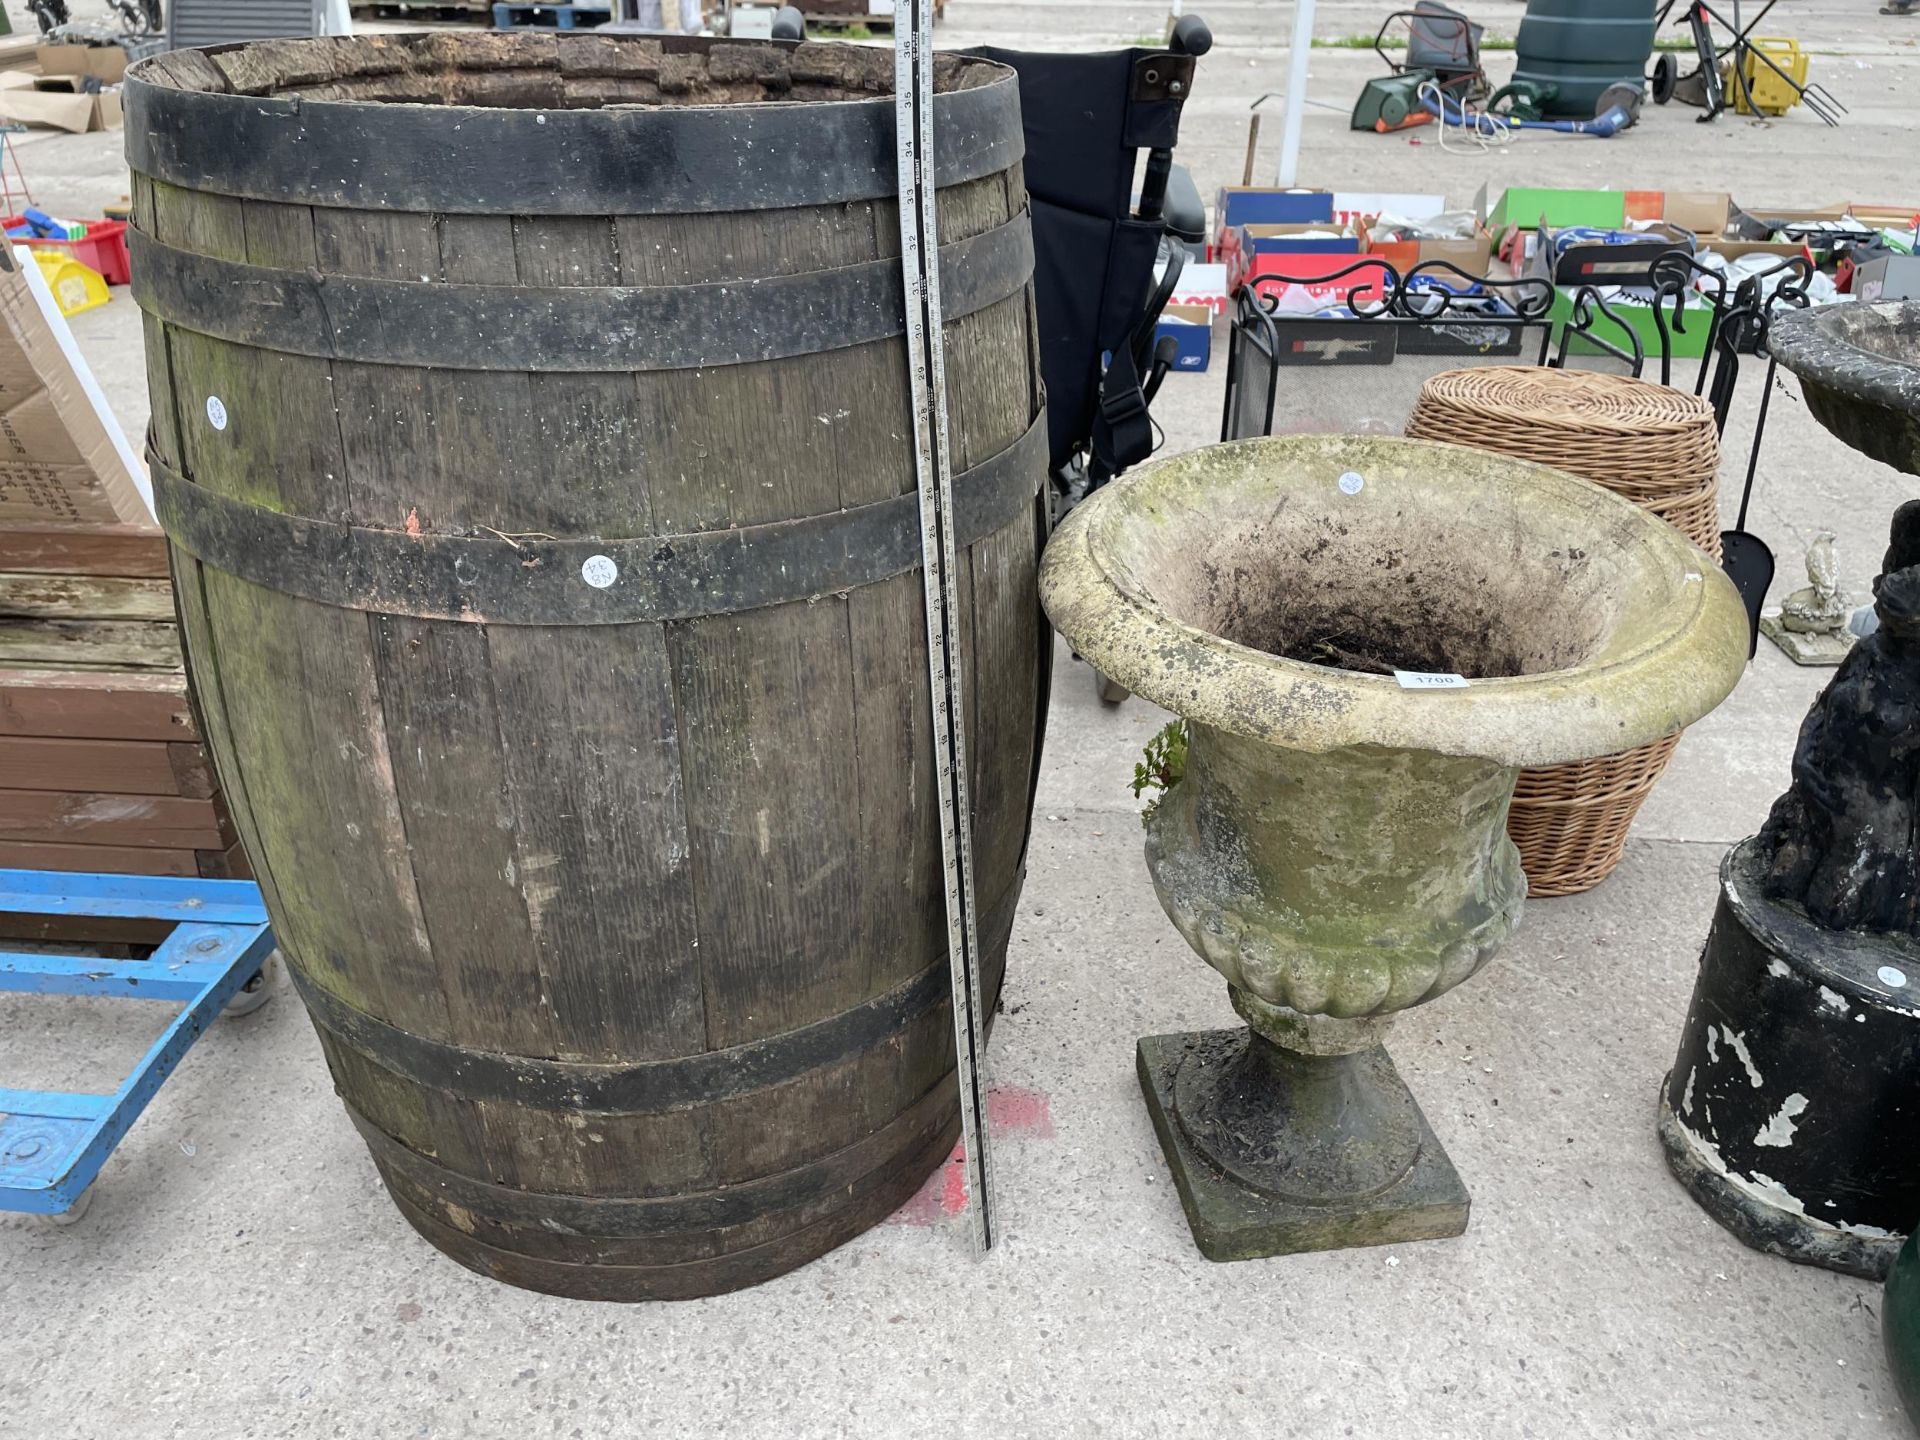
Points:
[(530, 422)]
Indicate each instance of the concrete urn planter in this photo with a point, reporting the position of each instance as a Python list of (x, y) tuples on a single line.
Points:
[(1367, 638)]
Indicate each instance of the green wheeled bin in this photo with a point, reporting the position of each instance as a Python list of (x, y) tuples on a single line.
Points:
[(1581, 47)]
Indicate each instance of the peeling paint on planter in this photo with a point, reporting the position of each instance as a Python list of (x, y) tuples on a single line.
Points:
[(1767, 1190), (1779, 1130), (1738, 1044), (1778, 968), (1833, 1000), (1686, 1099)]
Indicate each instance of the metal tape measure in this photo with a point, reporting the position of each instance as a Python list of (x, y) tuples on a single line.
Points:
[(933, 469)]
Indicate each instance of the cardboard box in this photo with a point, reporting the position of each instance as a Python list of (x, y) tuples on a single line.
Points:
[(1759, 222), (1474, 256), (1690, 343), (1309, 282), (1300, 240), (1202, 285), (1528, 207), (1704, 212), (1901, 219), (1891, 277), (1740, 249), (58, 103), (1352, 205), (105, 63), (63, 457), (1191, 327), (1274, 249), (1236, 205), (1599, 263)]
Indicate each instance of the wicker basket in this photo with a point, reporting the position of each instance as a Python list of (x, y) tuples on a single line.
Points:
[(1655, 446)]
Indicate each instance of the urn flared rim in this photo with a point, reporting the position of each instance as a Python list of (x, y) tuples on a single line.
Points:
[(1650, 634)]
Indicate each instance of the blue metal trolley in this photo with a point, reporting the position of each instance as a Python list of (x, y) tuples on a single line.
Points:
[(53, 1143)]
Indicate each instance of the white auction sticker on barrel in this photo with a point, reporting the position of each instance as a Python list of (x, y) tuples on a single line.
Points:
[(599, 571), (1429, 680), (1352, 483), (216, 412)]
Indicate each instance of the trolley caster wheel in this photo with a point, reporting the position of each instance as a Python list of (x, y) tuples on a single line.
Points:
[(1666, 73), (256, 992), (1111, 692), (72, 1215)]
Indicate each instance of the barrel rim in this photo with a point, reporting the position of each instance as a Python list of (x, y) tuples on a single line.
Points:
[(619, 160), (154, 70)]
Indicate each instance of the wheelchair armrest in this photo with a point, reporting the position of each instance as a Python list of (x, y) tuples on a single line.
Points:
[(1185, 217)]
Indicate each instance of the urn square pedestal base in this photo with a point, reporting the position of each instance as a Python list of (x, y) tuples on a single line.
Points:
[(1232, 1221)]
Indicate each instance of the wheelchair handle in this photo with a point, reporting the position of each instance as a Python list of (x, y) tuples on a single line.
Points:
[(1190, 36)]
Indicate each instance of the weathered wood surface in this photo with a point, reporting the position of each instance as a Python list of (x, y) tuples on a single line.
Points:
[(84, 597), (691, 863), (128, 767), (89, 645), (102, 705), (164, 822), (99, 859), (122, 550)]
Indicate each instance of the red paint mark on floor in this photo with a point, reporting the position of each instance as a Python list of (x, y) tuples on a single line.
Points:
[(1014, 1111), (1010, 1111)]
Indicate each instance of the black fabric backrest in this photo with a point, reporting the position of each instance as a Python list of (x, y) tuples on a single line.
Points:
[(1092, 265)]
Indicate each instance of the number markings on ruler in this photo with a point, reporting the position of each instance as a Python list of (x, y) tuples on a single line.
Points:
[(933, 466)]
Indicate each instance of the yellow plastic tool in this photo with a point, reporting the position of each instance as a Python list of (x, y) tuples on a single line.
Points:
[(1765, 92), (75, 287)]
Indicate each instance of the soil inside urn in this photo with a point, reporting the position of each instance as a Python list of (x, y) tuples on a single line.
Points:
[(1378, 650), (1412, 629)]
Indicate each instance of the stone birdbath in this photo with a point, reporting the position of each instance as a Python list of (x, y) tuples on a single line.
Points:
[(1859, 369), (1367, 638)]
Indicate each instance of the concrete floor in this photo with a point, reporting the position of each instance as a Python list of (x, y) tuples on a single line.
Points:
[(241, 1273)]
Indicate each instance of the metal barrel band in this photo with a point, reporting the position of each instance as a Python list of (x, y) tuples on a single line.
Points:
[(687, 1082), (732, 1270), (657, 578), (559, 328), (472, 160), (619, 1217)]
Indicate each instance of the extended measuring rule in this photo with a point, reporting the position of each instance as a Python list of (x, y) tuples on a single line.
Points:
[(933, 469)]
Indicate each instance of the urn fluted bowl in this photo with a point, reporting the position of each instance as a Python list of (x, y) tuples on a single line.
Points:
[(1367, 638)]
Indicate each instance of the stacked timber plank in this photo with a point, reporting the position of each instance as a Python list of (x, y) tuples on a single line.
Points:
[(101, 765)]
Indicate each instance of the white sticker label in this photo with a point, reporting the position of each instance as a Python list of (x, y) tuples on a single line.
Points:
[(216, 413), (599, 571), (1429, 680), (1352, 483), (1893, 977)]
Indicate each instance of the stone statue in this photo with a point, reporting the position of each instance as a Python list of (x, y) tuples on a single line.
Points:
[(1841, 841), (1812, 624), (1819, 608)]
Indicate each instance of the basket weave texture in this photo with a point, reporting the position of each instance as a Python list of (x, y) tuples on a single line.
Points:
[(1655, 446)]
